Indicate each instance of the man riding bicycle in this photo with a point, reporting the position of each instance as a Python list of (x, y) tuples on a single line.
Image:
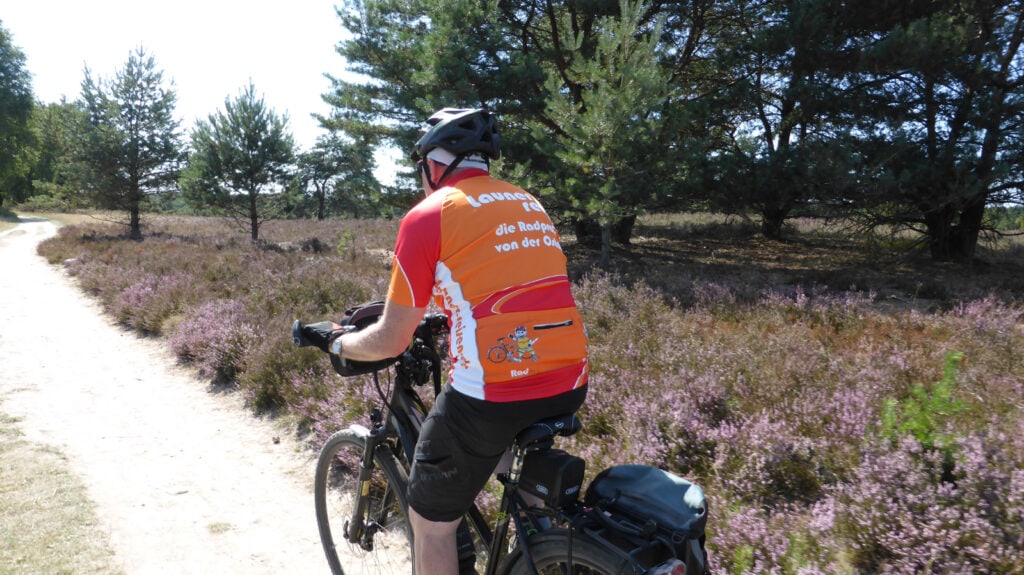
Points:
[(490, 257)]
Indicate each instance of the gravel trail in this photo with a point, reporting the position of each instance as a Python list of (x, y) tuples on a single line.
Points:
[(185, 481)]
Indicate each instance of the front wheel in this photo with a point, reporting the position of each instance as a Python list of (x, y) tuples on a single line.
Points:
[(550, 551), (384, 543)]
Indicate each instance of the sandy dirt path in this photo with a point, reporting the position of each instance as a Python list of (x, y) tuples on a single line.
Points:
[(185, 481)]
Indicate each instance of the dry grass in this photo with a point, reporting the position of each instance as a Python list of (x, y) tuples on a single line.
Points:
[(62, 219), (70, 219), (47, 522)]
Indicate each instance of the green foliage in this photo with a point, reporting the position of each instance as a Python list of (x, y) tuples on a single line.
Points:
[(925, 415), (941, 117), (605, 129), (337, 177), (345, 243), (777, 107), (514, 58), (902, 114), (240, 162), (743, 559), (131, 146), (16, 137), (1005, 218), (60, 129)]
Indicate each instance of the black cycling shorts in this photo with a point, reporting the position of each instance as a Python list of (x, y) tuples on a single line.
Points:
[(461, 443)]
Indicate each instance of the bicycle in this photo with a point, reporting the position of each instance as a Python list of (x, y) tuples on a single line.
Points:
[(502, 350), (631, 519)]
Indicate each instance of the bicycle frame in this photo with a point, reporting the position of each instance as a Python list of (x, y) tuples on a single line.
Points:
[(511, 508), (399, 431)]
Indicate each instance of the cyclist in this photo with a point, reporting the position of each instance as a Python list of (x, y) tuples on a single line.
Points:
[(490, 257)]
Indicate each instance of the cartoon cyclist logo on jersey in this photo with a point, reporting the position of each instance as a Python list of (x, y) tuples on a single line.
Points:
[(514, 347)]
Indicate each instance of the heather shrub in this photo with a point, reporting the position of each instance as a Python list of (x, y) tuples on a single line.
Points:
[(332, 402), (100, 279), (827, 426), (905, 513), (750, 540), (216, 338), (631, 326), (150, 301), (309, 289), (267, 377)]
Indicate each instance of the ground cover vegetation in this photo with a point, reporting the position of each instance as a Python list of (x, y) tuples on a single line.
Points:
[(848, 408)]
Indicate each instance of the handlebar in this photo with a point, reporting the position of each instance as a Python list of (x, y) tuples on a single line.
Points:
[(432, 325), (315, 334), (321, 334)]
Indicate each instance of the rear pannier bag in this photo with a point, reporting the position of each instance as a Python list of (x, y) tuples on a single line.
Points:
[(657, 502)]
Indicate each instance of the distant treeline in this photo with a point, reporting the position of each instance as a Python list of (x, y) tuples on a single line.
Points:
[(903, 114)]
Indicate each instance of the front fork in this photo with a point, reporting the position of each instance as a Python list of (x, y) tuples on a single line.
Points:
[(357, 529)]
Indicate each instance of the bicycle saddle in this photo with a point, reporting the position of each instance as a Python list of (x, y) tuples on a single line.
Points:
[(541, 433)]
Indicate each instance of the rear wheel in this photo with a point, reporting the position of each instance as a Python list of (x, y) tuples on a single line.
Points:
[(550, 551), (383, 545)]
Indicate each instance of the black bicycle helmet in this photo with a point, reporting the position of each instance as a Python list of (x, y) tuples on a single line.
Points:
[(461, 131)]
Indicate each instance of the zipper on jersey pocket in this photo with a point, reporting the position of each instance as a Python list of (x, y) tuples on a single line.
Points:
[(565, 323)]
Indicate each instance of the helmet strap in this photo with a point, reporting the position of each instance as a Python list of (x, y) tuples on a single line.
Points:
[(447, 172)]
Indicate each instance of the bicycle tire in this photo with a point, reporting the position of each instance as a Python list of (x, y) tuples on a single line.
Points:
[(550, 553), (388, 548)]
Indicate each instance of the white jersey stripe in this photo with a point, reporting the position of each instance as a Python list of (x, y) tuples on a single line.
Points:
[(467, 374)]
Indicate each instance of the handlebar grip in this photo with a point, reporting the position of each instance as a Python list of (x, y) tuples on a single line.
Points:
[(317, 334)]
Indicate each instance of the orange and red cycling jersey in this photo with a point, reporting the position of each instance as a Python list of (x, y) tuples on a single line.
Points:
[(490, 256)]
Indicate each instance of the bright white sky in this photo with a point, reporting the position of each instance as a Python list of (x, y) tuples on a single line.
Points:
[(211, 49)]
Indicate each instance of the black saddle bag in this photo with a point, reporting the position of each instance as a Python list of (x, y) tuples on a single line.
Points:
[(553, 475)]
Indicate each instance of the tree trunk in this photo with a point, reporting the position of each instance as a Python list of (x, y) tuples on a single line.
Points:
[(254, 219), (772, 220), (955, 242), (321, 202), (588, 232), (591, 233), (971, 219), (622, 230), (606, 246), (134, 223)]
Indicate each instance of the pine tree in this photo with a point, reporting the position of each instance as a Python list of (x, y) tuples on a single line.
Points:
[(241, 162), (606, 130), (131, 146), (16, 104)]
